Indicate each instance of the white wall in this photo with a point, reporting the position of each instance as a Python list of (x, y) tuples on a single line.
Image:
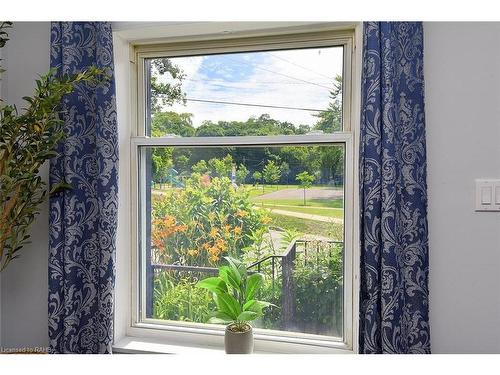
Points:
[(462, 77), (462, 67), (123, 256), (24, 282)]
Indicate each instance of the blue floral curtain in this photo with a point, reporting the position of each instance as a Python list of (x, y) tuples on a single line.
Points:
[(83, 219), (394, 308)]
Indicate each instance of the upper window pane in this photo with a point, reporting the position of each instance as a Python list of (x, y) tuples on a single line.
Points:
[(295, 91)]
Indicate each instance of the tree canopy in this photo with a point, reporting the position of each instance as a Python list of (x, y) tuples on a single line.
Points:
[(326, 163)]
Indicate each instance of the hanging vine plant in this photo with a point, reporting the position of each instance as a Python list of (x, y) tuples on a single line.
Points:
[(29, 138)]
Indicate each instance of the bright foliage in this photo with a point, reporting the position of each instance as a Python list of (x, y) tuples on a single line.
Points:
[(206, 220)]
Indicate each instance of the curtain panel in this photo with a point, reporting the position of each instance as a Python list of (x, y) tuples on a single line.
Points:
[(83, 219), (394, 308)]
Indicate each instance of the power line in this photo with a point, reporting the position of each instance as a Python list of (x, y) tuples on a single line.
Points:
[(233, 87), (281, 74), (254, 82), (253, 105), (298, 65)]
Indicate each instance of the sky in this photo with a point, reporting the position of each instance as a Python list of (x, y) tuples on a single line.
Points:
[(291, 78)]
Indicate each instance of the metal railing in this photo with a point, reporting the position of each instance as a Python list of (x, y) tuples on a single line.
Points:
[(281, 267), (286, 261)]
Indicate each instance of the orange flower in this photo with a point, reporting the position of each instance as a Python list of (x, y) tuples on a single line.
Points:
[(241, 213), (157, 242), (266, 220), (214, 232), (214, 250), (221, 244), (182, 228), (169, 220), (193, 252), (237, 230)]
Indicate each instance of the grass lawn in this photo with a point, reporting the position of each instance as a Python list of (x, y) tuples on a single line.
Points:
[(329, 203), (332, 230), (328, 212)]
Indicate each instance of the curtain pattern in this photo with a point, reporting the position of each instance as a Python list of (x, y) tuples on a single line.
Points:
[(394, 309), (83, 219)]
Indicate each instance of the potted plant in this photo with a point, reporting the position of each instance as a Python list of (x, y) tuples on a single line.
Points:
[(234, 292)]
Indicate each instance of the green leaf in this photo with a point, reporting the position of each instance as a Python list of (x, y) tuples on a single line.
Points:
[(247, 316), (227, 304), (256, 306), (213, 284), (238, 268), (60, 187), (254, 283), (247, 306), (220, 317), (230, 277)]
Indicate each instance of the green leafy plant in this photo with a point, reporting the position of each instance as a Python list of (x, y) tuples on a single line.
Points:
[(305, 181), (177, 298), (27, 141), (318, 281), (206, 220), (234, 292), (257, 177), (271, 173)]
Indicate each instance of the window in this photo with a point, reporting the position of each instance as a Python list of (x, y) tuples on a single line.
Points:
[(244, 149)]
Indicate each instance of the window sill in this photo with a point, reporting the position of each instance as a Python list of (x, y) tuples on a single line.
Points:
[(138, 345), (164, 345)]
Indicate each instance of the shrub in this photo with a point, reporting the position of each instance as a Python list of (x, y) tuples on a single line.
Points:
[(206, 220), (272, 320), (177, 298), (318, 279), (318, 287)]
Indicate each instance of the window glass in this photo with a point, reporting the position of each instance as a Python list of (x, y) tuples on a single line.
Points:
[(279, 92), (279, 209)]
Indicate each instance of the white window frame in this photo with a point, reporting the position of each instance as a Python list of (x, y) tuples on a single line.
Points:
[(181, 334)]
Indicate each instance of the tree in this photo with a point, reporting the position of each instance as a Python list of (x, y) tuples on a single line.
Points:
[(241, 174), (201, 167), (161, 159), (330, 120), (181, 162), (271, 172), (166, 84), (221, 167), (285, 170), (257, 177), (172, 123), (332, 163), (168, 123), (305, 181)]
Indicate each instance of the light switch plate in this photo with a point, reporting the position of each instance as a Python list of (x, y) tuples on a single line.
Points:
[(488, 195)]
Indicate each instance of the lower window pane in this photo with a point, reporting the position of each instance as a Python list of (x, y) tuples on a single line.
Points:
[(277, 209)]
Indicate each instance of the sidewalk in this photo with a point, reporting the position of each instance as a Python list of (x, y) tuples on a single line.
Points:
[(307, 216)]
